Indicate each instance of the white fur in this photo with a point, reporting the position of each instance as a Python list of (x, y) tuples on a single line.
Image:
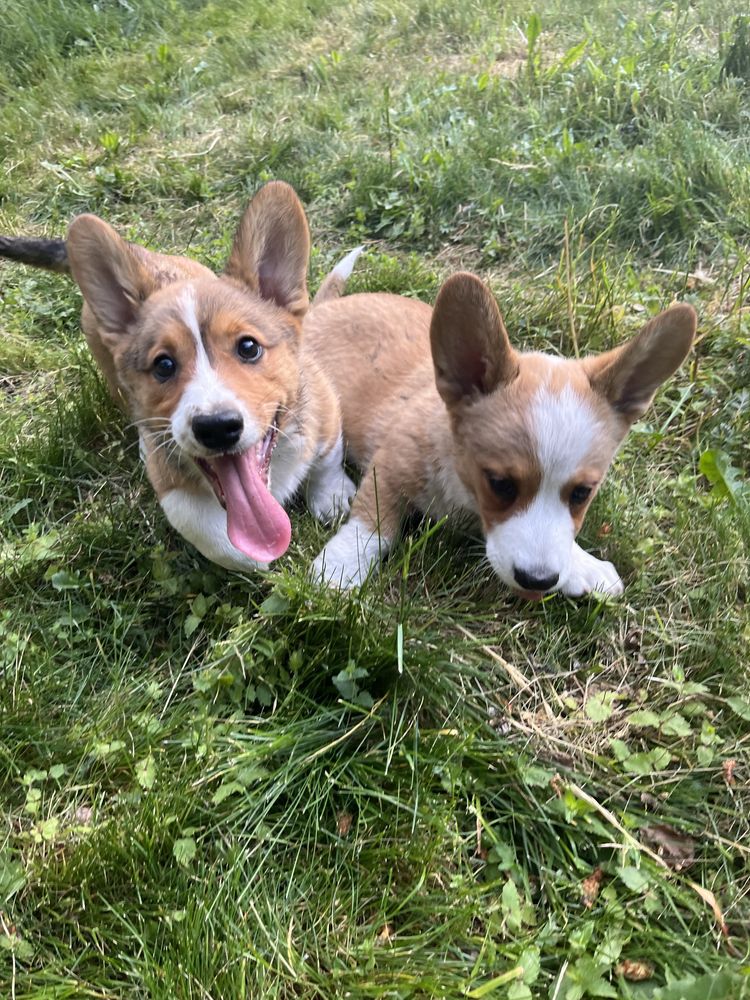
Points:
[(564, 427), (288, 467), (200, 518), (329, 490), (206, 393), (350, 555), (540, 540), (588, 573), (345, 266)]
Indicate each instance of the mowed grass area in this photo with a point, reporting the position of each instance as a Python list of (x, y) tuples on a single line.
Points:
[(216, 787)]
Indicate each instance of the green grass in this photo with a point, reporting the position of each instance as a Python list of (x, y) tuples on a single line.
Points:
[(216, 787)]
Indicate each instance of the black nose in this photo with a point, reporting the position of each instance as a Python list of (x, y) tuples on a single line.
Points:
[(529, 582), (218, 431)]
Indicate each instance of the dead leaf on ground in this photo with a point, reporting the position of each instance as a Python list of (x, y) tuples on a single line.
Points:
[(590, 888), (708, 897), (650, 801), (343, 823), (636, 972), (385, 936), (633, 640), (557, 786), (728, 768), (674, 848)]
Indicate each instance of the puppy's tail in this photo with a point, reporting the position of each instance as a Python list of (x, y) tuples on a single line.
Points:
[(333, 284), (49, 254)]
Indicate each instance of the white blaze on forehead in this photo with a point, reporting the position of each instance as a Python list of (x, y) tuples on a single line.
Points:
[(205, 393), (539, 539), (189, 316), (564, 427), (188, 311)]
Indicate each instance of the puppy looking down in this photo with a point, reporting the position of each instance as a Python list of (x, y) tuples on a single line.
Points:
[(442, 414), (232, 410)]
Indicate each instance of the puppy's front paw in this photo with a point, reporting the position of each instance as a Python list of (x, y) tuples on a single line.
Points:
[(349, 556), (333, 571), (330, 499), (588, 573)]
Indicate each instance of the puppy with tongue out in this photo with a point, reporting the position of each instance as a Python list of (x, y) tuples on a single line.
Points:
[(233, 415)]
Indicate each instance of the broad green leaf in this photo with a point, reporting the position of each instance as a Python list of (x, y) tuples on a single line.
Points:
[(511, 905), (145, 772), (184, 850), (21, 949), (225, 789), (588, 976), (530, 962), (609, 948), (712, 986), (620, 749), (518, 991), (274, 604), (634, 878), (644, 717), (741, 707), (502, 856), (65, 580), (717, 467), (191, 624), (676, 725), (251, 773), (49, 828), (12, 878), (199, 606), (646, 763), (537, 777), (599, 707)]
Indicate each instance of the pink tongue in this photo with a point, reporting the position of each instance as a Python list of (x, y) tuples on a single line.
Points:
[(257, 524)]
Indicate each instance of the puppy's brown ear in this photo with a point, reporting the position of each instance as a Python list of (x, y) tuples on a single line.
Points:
[(470, 347), (629, 376), (113, 282), (272, 247)]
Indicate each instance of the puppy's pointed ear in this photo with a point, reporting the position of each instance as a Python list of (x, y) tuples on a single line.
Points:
[(470, 347), (112, 280), (272, 247), (629, 376)]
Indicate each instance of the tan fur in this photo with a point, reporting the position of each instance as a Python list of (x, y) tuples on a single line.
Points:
[(213, 402), (435, 398), (116, 278)]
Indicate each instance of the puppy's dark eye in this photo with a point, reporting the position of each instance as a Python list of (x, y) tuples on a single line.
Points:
[(249, 350), (504, 488), (579, 494), (163, 367)]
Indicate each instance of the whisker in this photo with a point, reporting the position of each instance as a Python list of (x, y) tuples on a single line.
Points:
[(148, 422)]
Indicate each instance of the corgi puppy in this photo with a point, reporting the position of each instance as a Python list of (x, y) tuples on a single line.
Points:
[(233, 412), (442, 414)]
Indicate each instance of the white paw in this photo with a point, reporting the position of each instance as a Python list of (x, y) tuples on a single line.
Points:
[(332, 571), (348, 558), (588, 573), (329, 499)]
